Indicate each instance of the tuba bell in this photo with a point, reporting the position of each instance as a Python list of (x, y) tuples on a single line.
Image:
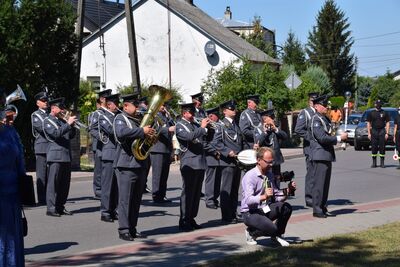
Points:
[(141, 147), (18, 94)]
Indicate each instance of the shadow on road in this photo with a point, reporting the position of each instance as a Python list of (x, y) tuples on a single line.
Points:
[(48, 248)]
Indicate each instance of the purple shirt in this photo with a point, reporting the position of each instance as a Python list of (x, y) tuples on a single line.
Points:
[(252, 188)]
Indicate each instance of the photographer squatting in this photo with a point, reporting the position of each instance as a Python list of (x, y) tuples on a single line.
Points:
[(263, 202)]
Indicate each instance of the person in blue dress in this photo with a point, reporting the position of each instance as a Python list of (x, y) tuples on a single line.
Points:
[(11, 167)]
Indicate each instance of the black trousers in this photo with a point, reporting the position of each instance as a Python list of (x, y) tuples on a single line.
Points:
[(109, 189), (261, 224), (230, 181), (192, 181), (131, 183), (212, 184), (161, 163), (398, 141), (41, 177), (59, 179), (321, 180), (97, 175), (378, 141), (308, 181)]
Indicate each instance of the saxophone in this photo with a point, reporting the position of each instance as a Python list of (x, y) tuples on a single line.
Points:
[(141, 147)]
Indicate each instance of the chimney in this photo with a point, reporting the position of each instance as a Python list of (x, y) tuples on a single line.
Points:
[(228, 13), (190, 2)]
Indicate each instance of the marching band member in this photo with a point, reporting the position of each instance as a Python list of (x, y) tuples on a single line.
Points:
[(193, 165), (229, 142), (271, 138), (199, 112), (59, 134), (322, 154), (41, 145), (302, 129), (109, 188), (250, 120), (130, 171), (96, 143), (160, 157), (213, 171)]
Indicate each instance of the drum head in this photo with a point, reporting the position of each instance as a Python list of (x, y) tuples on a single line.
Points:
[(247, 157)]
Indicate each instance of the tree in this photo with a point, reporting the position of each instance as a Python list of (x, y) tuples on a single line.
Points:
[(37, 48), (386, 88), (364, 90), (256, 38), (293, 53), (329, 45)]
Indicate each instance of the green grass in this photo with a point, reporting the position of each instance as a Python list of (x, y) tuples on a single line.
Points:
[(379, 246)]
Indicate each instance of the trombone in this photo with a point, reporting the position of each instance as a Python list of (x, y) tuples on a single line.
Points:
[(66, 114)]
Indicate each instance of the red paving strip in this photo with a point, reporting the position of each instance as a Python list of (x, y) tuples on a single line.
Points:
[(170, 241)]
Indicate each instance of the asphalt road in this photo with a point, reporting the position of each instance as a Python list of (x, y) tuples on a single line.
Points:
[(353, 181)]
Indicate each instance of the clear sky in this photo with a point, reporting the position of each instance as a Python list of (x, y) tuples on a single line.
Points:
[(375, 25)]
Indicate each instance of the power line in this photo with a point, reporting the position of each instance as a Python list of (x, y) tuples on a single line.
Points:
[(376, 36), (383, 60), (376, 45)]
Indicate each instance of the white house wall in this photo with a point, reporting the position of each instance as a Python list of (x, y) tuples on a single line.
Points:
[(189, 64)]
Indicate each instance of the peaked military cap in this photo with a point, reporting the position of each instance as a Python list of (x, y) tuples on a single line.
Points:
[(230, 104), (322, 100), (255, 98), (41, 96), (187, 107), (104, 93), (131, 98), (213, 111), (59, 102), (269, 112), (313, 95), (378, 102), (113, 98), (198, 97)]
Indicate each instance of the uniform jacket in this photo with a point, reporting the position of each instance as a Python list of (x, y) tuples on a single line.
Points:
[(41, 143), (321, 142), (106, 120), (94, 130), (271, 139), (230, 138), (127, 130), (248, 123), (211, 151), (190, 137), (303, 125), (164, 143), (59, 133)]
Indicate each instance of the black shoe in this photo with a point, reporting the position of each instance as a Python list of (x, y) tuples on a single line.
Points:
[(319, 215), (212, 206), (53, 213), (184, 226), (162, 200), (115, 216), (107, 218), (139, 235), (66, 212), (202, 194), (126, 237), (97, 197), (327, 213), (194, 224), (146, 190), (309, 204)]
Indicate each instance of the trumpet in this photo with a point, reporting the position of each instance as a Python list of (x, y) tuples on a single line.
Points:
[(211, 124), (66, 114)]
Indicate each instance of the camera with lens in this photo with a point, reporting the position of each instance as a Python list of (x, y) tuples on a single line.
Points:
[(288, 176)]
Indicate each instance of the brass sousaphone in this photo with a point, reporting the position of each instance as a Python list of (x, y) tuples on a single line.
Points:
[(141, 147)]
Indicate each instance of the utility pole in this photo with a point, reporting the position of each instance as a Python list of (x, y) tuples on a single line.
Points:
[(356, 85), (132, 47)]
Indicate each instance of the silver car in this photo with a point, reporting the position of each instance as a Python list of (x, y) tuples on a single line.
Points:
[(352, 122)]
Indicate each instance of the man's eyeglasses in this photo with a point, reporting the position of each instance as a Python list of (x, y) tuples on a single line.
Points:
[(268, 162)]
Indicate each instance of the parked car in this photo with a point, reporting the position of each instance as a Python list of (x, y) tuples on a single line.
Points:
[(361, 134), (352, 122)]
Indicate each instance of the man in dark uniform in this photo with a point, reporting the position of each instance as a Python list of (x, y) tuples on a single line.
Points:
[(96, 142), (199, 112), (59, 133), (229, 142), (250, 121), (130, 171), (322, 154), (193, 164), (109, 188), (378, 130), (213, 171), (160, 156), (41, 145), (302, 129)]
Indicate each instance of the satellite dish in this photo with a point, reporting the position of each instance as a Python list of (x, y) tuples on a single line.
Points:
[(209, 48)]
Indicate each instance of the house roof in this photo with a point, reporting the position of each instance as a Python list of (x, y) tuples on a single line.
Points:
[(99, 12), (233, 23), (396, 73), (206, 24)]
